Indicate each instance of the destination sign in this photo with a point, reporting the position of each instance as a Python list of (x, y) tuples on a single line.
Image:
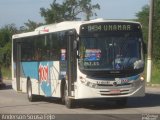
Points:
[(109, 27)]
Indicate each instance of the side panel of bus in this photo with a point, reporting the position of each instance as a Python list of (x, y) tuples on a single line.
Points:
[(44, 77), (42, 61), (16, 65)]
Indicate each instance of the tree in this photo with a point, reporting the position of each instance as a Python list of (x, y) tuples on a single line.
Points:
[(156, 32), (5, 44), (143, 17), (68, 10), (30, 26)]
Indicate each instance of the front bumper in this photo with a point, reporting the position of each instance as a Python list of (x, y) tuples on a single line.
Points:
[(136, 90)]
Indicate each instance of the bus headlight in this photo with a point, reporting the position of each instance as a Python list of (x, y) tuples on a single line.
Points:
[(142, 78)]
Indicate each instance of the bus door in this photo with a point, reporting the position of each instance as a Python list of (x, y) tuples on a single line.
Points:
[(71, 61), (18, 66)]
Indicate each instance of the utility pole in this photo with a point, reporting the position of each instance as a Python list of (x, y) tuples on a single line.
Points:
[(150, 39)]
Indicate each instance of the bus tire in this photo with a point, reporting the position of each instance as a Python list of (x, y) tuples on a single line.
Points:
[(63, 92), (31, 97), (68, 101)]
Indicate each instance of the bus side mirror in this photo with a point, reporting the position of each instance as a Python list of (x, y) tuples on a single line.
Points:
[(76, 47), (144, 48), (75, 44), (72, 35)]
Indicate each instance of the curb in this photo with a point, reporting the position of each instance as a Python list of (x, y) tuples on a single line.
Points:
[(152, 85)]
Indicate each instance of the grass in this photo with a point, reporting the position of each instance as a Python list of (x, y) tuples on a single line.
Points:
[(155, 75), (6, 73)]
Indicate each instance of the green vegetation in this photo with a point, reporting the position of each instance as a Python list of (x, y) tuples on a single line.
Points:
[(71, 10), (155, 75), (143, 17), (6, 72), (68, 10)]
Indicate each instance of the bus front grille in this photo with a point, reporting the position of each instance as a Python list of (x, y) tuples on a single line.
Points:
[(114, 92)]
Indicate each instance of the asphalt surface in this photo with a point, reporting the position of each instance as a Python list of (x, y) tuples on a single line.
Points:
[(145, 108)]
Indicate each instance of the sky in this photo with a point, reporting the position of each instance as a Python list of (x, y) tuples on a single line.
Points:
[(19, 11)]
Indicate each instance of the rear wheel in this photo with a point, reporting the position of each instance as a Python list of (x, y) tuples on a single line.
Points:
[(31, 97)]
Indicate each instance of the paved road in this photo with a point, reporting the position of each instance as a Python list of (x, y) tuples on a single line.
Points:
[(12, 102)]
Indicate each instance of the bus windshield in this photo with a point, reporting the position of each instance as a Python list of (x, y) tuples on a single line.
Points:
[(111, 51)]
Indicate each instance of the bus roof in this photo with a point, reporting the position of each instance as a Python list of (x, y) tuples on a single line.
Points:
[(64, 26)]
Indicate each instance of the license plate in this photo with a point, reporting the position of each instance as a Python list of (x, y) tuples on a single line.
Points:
[(115, 91)]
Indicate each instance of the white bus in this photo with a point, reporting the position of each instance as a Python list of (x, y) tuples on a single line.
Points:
[(80, 60)]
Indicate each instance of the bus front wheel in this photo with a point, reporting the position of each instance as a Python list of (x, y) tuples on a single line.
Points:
[(29, 91), (69, 102)]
